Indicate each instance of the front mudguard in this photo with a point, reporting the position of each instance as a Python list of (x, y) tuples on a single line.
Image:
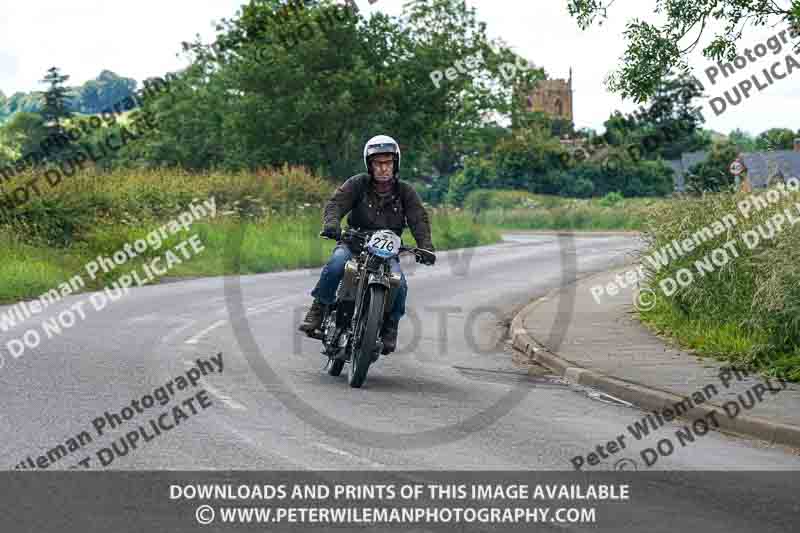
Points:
[(392, 283)]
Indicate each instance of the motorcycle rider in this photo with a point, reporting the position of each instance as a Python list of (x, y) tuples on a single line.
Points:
[(372, 201)]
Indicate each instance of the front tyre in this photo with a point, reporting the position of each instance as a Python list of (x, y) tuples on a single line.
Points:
[(336, 367), (362, 356)]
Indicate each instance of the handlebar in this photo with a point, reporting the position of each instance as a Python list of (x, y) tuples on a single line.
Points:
[(421, 253)]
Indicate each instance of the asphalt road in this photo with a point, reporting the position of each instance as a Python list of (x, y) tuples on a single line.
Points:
[(452, 397)]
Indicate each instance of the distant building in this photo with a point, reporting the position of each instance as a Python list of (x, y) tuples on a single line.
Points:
[(763, 168), (553, 97)]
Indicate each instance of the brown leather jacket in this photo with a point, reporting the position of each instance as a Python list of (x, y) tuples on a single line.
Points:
[(403, 207)]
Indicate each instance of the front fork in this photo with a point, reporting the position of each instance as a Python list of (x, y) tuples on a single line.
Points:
[(387, 279)]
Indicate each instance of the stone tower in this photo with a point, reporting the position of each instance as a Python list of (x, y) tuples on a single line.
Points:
[(553, 97)]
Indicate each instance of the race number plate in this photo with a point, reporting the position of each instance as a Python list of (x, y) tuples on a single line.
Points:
[(384, 243)]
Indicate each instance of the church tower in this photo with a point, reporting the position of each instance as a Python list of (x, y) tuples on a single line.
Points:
[(553, 97)]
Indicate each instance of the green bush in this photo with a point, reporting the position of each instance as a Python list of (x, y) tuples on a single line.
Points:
[(579, 188), (529, 154), (712, 175), (482, 199), (611, 199), (478, 173)]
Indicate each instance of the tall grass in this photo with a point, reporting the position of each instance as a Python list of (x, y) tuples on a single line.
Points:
[(748, 310), (522, 210), (266, 221)]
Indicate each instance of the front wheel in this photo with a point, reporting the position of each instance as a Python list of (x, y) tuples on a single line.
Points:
[(336, 367), (362, 356)]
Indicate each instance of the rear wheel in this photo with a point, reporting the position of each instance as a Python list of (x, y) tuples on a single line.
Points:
[(362, 356)]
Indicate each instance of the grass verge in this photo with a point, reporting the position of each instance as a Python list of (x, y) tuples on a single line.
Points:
[(269, 244), (521, 210), (746, 309)]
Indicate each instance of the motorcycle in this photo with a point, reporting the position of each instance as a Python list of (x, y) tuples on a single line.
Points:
[(351, 326)]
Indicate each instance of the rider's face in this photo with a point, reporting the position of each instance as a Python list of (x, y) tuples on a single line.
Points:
[(383, 166)]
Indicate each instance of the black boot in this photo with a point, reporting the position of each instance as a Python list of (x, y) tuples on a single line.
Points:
[(313, 319)]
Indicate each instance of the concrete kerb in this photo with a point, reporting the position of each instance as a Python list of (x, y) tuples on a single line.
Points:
[(639, 394)]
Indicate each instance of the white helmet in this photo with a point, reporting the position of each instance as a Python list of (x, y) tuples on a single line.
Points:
[(382, 144)]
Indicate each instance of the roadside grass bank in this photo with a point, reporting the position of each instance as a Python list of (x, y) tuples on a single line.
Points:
[(266, 222), (522, 210), (747, 310)]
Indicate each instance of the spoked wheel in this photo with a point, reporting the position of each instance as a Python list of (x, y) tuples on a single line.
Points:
[(336, 367), (362, 355)]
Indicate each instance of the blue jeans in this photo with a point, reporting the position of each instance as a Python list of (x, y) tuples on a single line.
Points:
[(332, 272)]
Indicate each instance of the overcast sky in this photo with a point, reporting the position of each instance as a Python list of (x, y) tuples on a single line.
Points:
[(142, 38)]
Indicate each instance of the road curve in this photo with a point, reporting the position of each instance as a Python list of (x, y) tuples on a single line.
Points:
[(452, 397)]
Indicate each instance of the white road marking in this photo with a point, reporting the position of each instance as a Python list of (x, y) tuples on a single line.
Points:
[(267, 306), (151, 317), (349, 455), (262, 305), (230, 402), (258, 445), (187, 323), (261, 311), (210, 328)]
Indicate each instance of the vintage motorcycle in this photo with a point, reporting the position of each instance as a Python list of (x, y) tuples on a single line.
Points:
[(351, 326)]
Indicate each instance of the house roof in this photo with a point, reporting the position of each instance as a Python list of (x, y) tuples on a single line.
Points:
[(677, 167), (761, 166)]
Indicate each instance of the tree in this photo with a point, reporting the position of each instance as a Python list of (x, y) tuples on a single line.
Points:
[(620, 171), (24, 132), (478, 173), (655, 50), (524, 160), (713, 174), (331, 80), (55, 109), (21, 102), (667, 127), (443, 32), (776, 139), (105, 91), (743, 141)]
